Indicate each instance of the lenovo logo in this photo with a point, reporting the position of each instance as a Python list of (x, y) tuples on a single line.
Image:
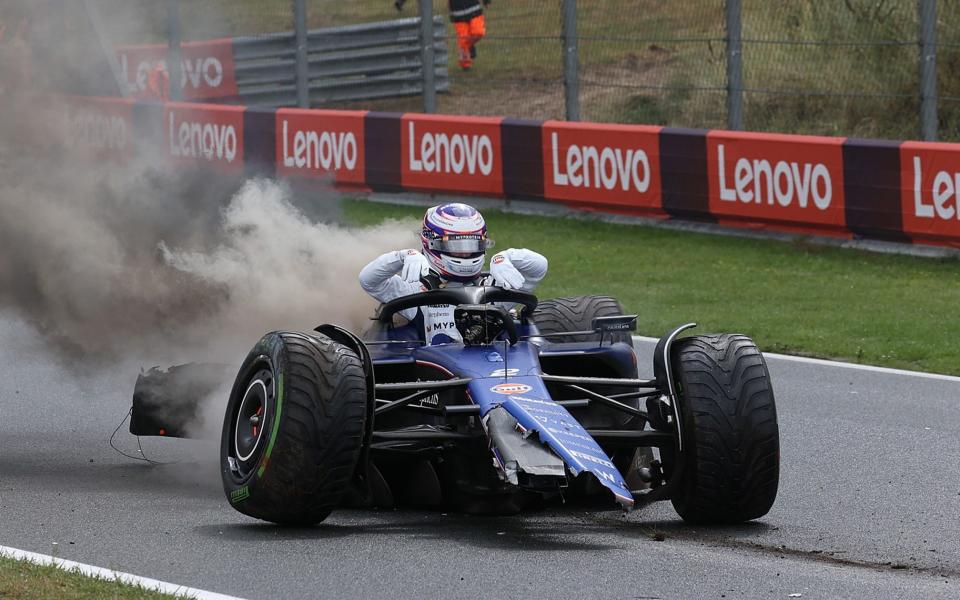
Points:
[(944, 200), (204, 140), (196, 73), (455, 154), (318, 150), (86, 129), (601, 168), (782, 183)]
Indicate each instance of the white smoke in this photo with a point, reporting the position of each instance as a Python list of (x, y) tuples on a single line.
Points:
[(279, 270)]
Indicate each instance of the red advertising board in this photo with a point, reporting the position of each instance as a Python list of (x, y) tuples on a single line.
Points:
[(451, 153), (206, 69), (930, 189), (616, 165), (200, 134), (98, 128), (321, 144), (791, 179)]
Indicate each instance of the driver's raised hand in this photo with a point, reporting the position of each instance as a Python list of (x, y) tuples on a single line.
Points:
[(504, 274), (415, 266)]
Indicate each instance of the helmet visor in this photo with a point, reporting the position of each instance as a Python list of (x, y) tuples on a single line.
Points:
[(460, 244)]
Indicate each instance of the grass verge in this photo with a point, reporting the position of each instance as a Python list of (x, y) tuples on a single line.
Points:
[(22, 579), (791, 297)]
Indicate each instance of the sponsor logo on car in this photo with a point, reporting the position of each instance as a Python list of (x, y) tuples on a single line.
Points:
[(509, 389)]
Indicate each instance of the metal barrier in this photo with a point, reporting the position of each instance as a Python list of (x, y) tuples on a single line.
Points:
[(356, 62)]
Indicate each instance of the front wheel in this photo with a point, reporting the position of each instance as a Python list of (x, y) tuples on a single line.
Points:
[(731, 440), (293, 430)]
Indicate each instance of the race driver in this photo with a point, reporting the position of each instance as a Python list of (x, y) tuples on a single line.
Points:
[(454, 240)]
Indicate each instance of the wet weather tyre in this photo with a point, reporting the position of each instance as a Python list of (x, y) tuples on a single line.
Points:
[(731, 440), (293, 430), (576, 313)]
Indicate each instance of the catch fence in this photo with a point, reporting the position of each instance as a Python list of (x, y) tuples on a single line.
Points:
[(859, 68)]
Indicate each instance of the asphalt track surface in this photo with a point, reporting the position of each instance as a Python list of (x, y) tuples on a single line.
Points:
[(868, 507)]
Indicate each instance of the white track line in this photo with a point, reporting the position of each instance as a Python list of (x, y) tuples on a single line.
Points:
[(839, 364), (111, 575)]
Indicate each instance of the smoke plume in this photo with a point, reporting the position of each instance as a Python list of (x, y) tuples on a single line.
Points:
[(107, 264), (145, 264)]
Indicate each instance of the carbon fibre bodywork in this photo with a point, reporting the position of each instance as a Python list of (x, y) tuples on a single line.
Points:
[(544, 416)]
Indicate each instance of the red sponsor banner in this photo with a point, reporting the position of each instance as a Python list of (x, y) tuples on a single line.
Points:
[(451, 153), (100, 128), (930, 189), (320, 144), (86, 127), (793, 179), (199, 134), (616, 165), (206, 69)]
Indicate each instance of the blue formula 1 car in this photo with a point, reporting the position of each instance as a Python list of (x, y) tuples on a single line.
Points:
[(539, 403)]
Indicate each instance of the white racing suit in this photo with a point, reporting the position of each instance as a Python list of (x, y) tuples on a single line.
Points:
[(380, 278)]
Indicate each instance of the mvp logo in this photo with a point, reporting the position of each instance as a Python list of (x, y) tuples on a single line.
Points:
[(602, 164), (776, 177)]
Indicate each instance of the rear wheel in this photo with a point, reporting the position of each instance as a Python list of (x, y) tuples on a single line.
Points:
[(293, 429), (731, 441), (576, 313)]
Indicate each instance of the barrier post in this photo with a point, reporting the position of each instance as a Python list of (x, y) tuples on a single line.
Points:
[(571, 61), (427, 57), (303, 66), (734, 66), (93, 15), (174, 35), (928, 70)]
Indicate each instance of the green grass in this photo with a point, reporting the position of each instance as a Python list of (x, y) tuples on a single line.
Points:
[(27, 581), (797, 298)]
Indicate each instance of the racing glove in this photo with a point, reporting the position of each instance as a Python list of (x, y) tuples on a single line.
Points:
[(415, 266), (504, 274)]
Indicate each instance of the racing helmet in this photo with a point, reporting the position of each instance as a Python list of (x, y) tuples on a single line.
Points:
[(454, 240)]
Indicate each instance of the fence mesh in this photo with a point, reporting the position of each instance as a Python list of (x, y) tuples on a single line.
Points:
[(835, 68), (948, 68), (659, 63), (845, 67)]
